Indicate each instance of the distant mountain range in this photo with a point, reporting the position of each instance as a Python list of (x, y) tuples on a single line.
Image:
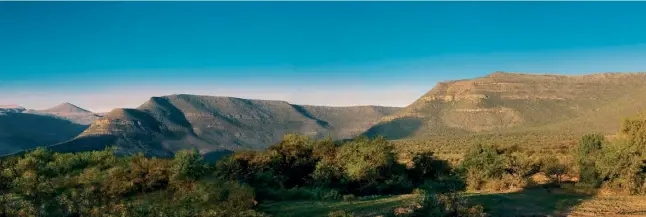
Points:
[(21, 128), (497, 103), (163, 125)]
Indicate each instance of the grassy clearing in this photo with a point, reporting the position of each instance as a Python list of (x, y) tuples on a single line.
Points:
[(530, 202), (363, 207)]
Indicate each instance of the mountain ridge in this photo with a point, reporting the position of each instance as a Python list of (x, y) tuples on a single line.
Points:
[(505, 102), (165, 124)]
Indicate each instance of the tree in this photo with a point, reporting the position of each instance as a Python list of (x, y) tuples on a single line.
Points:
[(552, 167), (426, 167), (586, 155), (187, 165)]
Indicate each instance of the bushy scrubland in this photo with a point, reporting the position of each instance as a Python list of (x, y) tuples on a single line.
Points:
[(44, 183)]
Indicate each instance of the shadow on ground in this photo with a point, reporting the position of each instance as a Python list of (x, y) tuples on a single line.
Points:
[(396, 129), (536, 201)]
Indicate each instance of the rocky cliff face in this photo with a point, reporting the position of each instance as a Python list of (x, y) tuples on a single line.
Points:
[(211, 124), (513, 101)]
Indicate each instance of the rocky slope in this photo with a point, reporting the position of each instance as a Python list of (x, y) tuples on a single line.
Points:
[(212, 124), (513, 102)]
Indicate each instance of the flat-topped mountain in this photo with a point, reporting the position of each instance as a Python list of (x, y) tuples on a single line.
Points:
[(512, 102), (210, 124)]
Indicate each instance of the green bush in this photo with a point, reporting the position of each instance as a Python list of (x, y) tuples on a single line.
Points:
[(350, 197), (491, 168), (42, 183), (340, 214)]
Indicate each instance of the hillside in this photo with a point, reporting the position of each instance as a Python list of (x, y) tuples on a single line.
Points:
[(70, 112), (19, 131), (22, 128), (514, 102), (163, 125)]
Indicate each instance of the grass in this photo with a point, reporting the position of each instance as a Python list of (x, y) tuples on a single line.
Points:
[(363, 207), (529, 202), (611, 206)]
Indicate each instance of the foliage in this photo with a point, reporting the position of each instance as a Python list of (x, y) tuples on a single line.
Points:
[(450, 204), (43, 183), (553, 168), (497, 168), (361, 166), (617, 165), (587, 153)]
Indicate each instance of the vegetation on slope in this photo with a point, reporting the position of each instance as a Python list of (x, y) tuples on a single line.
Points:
[(20, 131), (513, 103), (211, 124)]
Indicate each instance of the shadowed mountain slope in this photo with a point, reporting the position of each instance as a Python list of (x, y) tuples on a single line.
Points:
[(166, 124), (19, 131), (514, 102)]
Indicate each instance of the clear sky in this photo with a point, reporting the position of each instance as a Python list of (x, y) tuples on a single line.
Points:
[(102, 55)]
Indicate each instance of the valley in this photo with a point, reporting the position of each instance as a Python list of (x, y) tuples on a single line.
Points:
[(516, 126)]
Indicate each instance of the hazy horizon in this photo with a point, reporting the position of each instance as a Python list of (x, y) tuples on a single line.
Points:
[(104, 55)]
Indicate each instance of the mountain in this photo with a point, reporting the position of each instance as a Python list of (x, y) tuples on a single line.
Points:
[(20, 131), (515, 102), (22, 128), (211, 124), (70, 112), (11, 108)]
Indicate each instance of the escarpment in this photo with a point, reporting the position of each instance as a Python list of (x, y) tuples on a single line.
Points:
[(503, 102)]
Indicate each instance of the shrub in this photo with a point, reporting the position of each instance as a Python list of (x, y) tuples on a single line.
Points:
[(497, 169), (350, 197), (586, 155), (340, 213), (449, 204), (426, 167), (552, 167)]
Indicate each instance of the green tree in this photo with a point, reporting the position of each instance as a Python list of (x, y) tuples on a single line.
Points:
[(187, 165), (552, 167), (587, 151), (366, 161)]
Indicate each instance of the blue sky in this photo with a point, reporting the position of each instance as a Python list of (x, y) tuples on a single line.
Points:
[(102, 55)]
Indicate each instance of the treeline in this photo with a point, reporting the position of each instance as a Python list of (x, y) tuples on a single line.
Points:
[(44, 183), (299, 168), (359, 167), (618, 165)]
